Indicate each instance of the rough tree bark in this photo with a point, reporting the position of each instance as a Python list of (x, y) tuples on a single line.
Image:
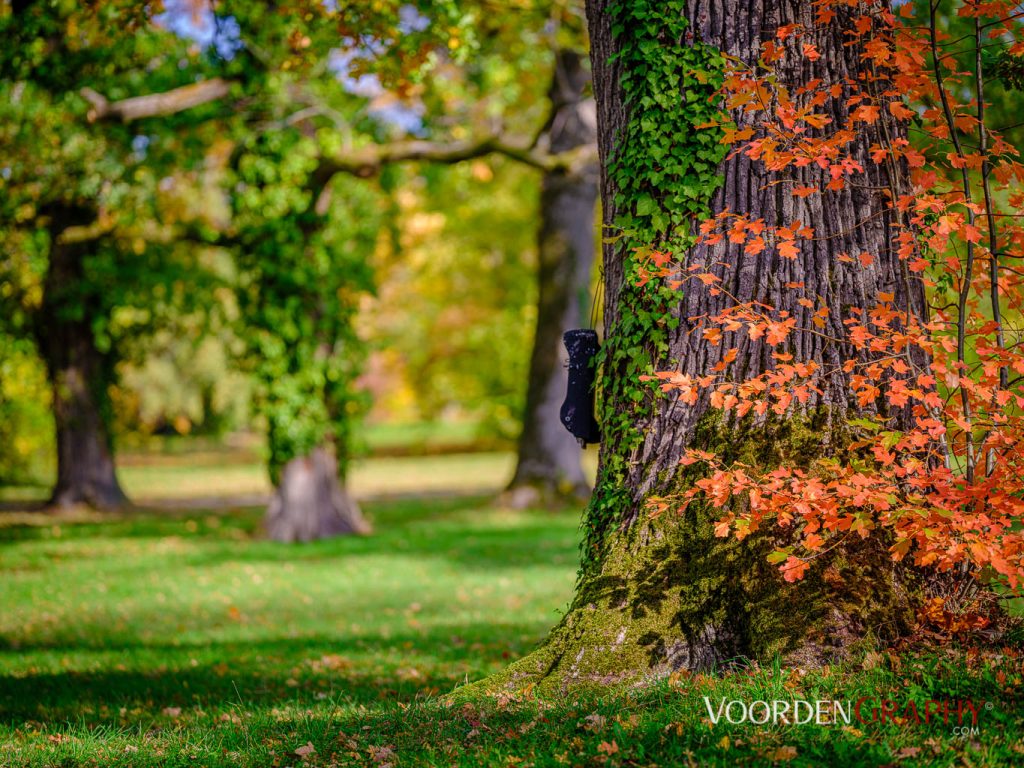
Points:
[(664, 593), (310, 502), (79, 376), (548, 469)]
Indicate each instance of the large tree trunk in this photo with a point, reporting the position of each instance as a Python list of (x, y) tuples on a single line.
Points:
[(548, 469), (311, 503), (79, 375), (662, 593)]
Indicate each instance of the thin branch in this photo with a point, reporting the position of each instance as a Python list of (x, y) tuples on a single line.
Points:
[(368, 161), (155, 104), (84, 233), (969, 266), (364, 162), (993, 236)]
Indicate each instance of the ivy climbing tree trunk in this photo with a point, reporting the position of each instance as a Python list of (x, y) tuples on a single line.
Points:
[(548, 469), (658, 593), (310, 502), (300, 304), (79, 376)]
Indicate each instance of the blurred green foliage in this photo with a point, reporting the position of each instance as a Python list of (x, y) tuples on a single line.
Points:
[(26, 424), (185, 386), (303, 269), (457, 303), (453, 324)]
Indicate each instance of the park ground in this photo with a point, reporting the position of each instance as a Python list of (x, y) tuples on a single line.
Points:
[(175, 635)]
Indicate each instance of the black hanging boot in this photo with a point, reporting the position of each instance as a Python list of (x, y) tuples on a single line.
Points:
[(578, 408)]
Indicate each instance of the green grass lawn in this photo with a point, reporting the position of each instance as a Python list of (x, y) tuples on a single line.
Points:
[(180, 638), (219, 476), (215, 476)]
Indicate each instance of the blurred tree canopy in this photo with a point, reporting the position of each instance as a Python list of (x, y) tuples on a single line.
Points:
[(197, 192)]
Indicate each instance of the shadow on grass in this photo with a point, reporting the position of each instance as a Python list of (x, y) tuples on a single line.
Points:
[(668, 723), (356, 670), (485, 549), (661, 724)]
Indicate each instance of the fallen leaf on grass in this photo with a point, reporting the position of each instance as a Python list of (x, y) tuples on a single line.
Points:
[(172, 711), (334, 661), (679, 678), (382, 756), (608, 747), (306, 750), (628, 723), (909, 752), (872, 660), (782, 753)]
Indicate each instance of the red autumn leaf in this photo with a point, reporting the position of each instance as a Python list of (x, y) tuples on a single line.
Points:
[(793, 569), (788, 249), (754, 246), (866, 113), (898, 110)]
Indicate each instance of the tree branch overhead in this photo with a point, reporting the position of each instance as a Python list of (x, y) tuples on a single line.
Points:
[(155, 104)]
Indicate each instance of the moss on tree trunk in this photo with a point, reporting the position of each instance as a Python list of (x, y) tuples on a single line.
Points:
[(667, 594)]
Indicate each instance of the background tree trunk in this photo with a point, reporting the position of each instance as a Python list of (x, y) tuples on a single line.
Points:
[(311, 503), (79, 376), (663, 593), (548, 469)]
